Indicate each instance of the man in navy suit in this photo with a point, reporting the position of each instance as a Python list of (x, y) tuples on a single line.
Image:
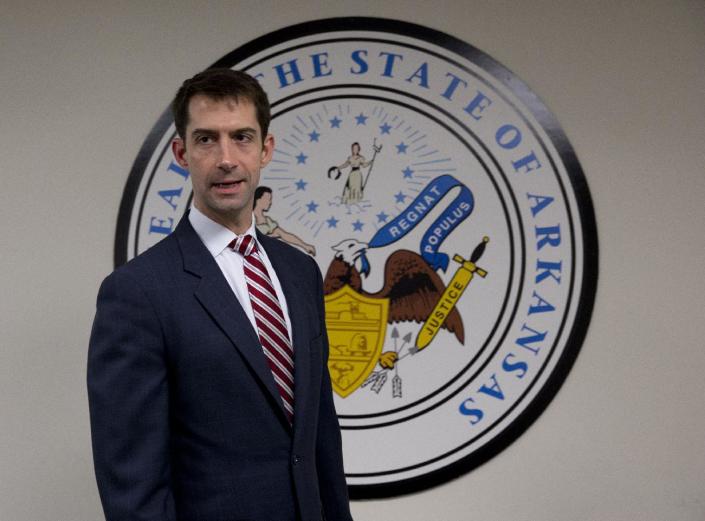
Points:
[(187, 421)]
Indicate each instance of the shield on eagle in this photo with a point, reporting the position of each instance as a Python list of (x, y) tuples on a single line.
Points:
[(356, 330)]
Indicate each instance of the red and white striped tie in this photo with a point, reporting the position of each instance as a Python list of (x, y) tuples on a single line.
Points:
[(271, 326)]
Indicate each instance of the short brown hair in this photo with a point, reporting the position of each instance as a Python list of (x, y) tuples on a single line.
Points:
[(220, 84)]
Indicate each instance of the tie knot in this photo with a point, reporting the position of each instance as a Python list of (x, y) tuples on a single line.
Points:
[(245, 245)]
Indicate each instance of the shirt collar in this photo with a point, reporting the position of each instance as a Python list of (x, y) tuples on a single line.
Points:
[(215, 236)]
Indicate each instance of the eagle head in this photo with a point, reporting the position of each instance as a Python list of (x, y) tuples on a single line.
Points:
[(352, 252)]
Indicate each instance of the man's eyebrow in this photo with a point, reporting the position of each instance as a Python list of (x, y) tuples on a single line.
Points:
[(245, 130), (207, 131), (202, 131)]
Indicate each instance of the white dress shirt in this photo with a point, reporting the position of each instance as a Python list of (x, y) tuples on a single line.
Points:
[(216, 238)]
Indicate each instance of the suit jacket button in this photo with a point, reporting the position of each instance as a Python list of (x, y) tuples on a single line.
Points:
[(296, 459)]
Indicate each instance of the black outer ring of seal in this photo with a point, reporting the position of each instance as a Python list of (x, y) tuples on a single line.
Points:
[(575, 174)]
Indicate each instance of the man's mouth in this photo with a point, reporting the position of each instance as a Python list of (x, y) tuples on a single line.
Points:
[(227, 184)]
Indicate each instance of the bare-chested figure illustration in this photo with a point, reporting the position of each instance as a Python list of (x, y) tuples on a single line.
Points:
[(268, 226)]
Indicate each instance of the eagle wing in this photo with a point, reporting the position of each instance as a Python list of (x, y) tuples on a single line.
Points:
[(413, 289), (339, 274)]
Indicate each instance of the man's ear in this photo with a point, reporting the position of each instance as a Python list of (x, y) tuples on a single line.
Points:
[(178, 148), (267, 150)]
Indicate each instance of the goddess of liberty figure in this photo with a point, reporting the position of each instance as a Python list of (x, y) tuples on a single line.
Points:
[(354, 189)]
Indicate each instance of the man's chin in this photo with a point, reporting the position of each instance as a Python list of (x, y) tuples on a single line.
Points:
[(227, 212)]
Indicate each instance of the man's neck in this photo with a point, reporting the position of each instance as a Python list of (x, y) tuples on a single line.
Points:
[(238, 224)]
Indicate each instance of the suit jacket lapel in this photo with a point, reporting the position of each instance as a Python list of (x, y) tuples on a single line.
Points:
[(218, 299)]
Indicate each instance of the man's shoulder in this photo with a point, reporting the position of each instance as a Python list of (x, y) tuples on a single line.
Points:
[(161, 257), (276, 248)]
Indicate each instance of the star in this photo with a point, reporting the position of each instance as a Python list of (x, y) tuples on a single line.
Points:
[(385, 128), (301, 159), (382, 217), (301, 184), (401, 148), (361, 119), (332, 222), (407, 172), (335, 122), (400, 197), (312, 207), (313, 136), (357, 225)]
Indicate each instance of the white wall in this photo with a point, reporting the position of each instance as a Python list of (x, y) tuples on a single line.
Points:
[(81, 84)]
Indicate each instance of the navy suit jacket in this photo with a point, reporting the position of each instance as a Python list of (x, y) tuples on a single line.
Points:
[(186, 421)]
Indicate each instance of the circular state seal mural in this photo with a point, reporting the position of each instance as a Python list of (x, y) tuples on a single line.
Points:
[(451, 222)]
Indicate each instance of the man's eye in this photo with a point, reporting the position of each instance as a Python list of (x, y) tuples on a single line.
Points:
[(243, 138), (204, 139)]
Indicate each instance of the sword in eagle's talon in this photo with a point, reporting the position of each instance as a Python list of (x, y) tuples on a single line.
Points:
[(462, 277)]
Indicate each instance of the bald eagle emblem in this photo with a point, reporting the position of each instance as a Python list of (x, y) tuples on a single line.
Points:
[(357, 318), (410, 284)]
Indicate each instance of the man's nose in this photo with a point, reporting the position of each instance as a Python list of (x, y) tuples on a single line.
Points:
[(226, 156)]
